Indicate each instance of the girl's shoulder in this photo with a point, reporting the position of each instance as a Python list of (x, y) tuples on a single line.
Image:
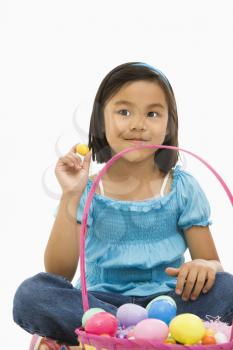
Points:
[(184, 177), (192, 201), (190, 192)]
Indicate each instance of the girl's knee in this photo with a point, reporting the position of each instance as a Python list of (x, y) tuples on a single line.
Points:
[(35, 291), (31, 294), (25, 296)]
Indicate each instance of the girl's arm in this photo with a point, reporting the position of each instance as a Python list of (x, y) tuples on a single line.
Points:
[(198, 275), (62, 251), (201, 245)]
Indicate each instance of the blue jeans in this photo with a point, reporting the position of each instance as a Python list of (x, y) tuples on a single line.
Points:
[(49, 305)]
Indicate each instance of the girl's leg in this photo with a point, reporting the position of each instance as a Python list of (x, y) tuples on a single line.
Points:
[(48, 305)]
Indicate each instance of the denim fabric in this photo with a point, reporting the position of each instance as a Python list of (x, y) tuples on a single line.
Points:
[(49, 305)]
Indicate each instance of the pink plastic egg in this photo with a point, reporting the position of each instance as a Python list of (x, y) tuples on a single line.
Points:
[(151, 329), (102, 323)]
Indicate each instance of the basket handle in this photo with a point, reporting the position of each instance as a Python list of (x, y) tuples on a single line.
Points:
[(91, 194)]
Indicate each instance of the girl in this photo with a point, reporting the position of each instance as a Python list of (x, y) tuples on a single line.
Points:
[(146, 212)]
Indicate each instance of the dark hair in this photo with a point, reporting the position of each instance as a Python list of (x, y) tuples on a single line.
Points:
[(110, 85)]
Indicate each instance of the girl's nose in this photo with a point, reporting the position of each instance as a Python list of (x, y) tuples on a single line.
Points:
[(139, 125)]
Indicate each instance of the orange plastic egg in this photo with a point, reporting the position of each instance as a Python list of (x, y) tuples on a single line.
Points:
[(208, 339)]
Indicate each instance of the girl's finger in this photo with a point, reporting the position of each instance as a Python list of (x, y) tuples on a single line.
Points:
[(77, 160), (65, 160), (201, 279), (211, 275), (87, 160), (72, 161), (73, 149), (76, 156), (189, 284), (181, 279)]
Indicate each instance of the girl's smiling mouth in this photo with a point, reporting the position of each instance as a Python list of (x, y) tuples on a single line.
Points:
[(137, 140)]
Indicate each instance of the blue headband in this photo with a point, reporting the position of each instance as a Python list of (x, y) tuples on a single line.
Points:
[(156, 70)]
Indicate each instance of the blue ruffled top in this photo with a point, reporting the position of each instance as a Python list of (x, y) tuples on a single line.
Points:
[(129, 244)]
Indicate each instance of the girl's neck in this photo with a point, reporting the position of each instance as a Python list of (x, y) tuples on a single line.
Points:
[(143, 171)]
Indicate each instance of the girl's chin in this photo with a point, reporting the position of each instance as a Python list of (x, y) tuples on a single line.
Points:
[(137, 156)]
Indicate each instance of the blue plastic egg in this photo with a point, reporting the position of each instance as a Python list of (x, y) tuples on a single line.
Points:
[(162, 310), (162, 297)]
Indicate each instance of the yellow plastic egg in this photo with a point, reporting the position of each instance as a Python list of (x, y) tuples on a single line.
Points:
[(187, 328), (82, 149), (89, 347)]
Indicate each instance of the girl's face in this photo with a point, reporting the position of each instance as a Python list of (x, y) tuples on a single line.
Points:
[(137, 111)]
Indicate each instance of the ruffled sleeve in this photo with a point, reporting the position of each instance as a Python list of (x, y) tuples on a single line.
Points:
[(193, 203), (81, 207)]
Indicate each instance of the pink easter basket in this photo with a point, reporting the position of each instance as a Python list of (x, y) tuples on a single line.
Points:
[(91, 341)]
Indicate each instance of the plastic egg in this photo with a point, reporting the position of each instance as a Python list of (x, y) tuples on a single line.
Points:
[(89, 313), (89, 347), (220, 338), (187, 328), (82, 149), (162, 297), (151, 329), (208, 339), (130, 314), (163, 310), (102, 323), (131, 338)]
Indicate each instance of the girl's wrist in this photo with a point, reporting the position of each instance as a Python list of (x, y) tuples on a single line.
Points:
[(71, 193), (71, 196), (216, 265)]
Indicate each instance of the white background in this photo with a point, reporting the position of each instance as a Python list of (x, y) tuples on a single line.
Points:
[(54, 55)]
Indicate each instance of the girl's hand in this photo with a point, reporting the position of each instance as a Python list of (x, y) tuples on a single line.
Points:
[(193, 277), (72, 173)]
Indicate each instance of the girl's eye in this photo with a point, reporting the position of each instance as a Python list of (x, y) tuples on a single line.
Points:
[(127, 111), (154, 112), (122, 110)]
